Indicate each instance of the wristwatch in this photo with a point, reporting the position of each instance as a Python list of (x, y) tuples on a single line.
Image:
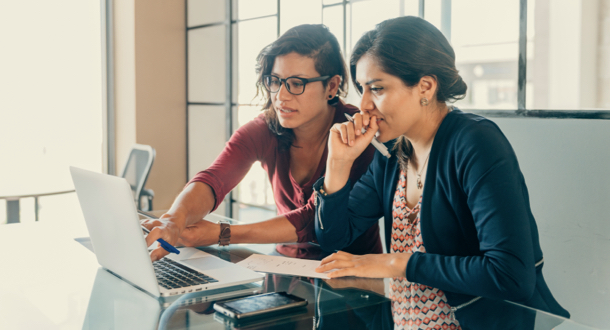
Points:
[(225, 233)]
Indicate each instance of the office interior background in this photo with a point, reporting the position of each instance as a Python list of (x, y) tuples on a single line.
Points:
[(82, 81)]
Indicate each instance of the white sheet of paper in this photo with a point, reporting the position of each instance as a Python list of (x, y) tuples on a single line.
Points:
[(282, 265)]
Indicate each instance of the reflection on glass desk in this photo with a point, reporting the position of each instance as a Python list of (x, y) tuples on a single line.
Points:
[(115, 304), (50, 281)]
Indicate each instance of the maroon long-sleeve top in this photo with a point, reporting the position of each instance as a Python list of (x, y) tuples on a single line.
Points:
[(255, 142)]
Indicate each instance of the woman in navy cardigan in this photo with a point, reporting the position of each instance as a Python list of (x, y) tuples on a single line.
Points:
[(458, 222)]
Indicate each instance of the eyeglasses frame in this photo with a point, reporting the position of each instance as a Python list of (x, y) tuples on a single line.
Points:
[(283, 81)]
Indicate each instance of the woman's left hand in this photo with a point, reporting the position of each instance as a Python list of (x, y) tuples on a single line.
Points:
[(368, 265)]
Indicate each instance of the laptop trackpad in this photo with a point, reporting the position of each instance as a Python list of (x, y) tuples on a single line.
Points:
[(188, 253), (198, 259), (206, 263)]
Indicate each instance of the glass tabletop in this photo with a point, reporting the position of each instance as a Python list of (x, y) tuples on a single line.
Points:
[(115, 304), (353, 303), (50, 281), (348, 303)]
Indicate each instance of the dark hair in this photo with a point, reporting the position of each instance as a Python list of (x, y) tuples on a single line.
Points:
[(411, 48), (311, 40)]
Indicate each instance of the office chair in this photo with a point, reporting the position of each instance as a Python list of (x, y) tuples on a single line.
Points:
[(136, 172)]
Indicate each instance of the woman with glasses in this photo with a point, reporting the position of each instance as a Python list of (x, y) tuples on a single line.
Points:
[(458, 224), (302, 77)]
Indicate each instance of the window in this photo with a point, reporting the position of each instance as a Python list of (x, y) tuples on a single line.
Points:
[(255, 26), (51, 113), (563, 47)]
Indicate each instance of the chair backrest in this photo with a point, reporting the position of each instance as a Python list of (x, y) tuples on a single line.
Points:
[(137, 169)]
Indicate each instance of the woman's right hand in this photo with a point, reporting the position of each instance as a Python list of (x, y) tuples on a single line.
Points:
[(166, 228), (346, 141)]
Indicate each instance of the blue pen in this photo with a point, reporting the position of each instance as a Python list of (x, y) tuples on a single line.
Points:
[(168, 247)]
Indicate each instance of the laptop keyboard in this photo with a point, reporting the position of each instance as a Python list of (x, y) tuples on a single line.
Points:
[(172, 275)]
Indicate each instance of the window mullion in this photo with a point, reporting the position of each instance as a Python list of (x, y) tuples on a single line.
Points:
[(521, 81), (229, 92)]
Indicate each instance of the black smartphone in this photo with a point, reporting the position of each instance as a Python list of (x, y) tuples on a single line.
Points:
[(259, 305)]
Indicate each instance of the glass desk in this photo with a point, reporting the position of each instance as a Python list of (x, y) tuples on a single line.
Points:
[(51, 281)]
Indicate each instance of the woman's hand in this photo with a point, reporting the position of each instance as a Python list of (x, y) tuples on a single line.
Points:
[(369, 265), (201, 233), (345, 143), (193, 203), (165, 227)]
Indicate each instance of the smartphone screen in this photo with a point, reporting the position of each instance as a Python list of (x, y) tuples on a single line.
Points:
[(259, 304)]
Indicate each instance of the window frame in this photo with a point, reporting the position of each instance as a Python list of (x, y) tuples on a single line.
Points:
[(520, 112)]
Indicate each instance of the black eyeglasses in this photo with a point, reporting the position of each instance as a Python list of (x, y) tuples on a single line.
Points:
[(294, 85)]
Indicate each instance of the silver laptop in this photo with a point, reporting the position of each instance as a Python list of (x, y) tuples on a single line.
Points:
[(119, 245)]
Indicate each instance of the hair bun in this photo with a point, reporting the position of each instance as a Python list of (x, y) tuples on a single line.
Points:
[(457, 90)]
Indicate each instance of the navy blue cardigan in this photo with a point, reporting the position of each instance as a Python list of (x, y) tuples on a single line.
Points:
[(480, 235)]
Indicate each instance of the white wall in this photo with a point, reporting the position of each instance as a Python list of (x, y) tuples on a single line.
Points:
[(565, 163)]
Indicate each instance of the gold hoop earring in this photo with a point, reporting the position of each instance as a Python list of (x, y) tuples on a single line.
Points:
[(424, 102)]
